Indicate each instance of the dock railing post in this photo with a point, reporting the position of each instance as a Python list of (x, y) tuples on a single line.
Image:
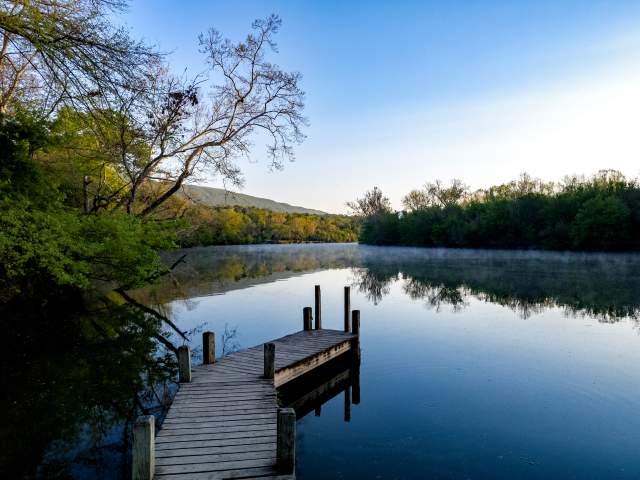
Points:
[(347, 308), (306, 318), (318, 308), (355, 329), (184, 364), (269, 360), (286, 441), (143, 460), (355, 322), (208, 348)]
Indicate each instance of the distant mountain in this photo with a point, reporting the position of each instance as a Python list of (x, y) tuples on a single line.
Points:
[(218, 197)]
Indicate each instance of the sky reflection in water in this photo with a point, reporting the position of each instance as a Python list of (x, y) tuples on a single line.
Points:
[(474, 365)]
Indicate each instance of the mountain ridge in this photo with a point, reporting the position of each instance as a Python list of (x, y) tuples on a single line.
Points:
[(219, 197)]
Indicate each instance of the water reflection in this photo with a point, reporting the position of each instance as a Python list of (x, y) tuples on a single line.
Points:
[(73, 383), (601, 286), (605, 286), (308, 393)]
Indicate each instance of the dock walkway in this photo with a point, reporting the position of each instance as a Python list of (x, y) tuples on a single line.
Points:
[(224, 422)]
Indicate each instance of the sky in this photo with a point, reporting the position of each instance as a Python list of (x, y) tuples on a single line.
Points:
[(399, 93)]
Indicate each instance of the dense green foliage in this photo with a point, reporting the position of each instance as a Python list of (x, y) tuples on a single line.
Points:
[(598, 214), (242, 225), (47, 242)]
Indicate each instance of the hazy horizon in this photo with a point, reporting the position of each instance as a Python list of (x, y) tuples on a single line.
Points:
[(398, 95)]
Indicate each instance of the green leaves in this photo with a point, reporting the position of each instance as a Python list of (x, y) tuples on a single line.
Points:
[(601, 214), (46, 243)]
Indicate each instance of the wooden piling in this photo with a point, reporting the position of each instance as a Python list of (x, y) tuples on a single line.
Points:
[(347, 308), (269, 360), (355, 322), (143, 460), (286, 441), (355, 329), (318, 306), (306, 318), (208, 348), (184, 364)]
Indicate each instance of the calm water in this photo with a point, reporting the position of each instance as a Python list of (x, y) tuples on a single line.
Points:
[(474, 364)]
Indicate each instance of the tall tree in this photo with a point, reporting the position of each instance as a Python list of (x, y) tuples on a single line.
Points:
[(173, 128)]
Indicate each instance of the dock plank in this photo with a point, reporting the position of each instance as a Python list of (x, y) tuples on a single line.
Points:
[(223, 423)]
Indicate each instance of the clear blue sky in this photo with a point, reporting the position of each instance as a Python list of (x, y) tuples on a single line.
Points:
[(400, 93)]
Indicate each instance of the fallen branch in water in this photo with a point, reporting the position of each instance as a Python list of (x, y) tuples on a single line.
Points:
[(152, 312)]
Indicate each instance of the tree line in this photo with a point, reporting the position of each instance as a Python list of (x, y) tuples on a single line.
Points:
[(598, 213), (243, 225)]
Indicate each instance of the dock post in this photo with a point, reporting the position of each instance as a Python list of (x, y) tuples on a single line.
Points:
[(286, 441), (269, 360), (184, 364), (208, 348), (347, 307), (306, 318), (143, 462), (318, 309), (355, 329), (355, 322)]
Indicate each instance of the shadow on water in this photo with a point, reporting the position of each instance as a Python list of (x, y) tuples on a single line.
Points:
[(308, 393), (72, 386)]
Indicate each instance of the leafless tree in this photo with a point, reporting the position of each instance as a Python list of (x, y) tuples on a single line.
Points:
[(443, 196), (416, 200), (373, 202), (171, 129)]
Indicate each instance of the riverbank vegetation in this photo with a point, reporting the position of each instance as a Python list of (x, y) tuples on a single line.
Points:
[(599, 213), (97, 139), (247, 225)]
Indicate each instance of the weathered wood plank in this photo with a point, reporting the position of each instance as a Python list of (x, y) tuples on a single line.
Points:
[(223, 423), (208, 443), (216, 466), (287, 374), (229, 431), (214, 458), (253, 472)]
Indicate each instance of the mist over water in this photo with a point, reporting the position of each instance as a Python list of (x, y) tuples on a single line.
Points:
[(475, 364)]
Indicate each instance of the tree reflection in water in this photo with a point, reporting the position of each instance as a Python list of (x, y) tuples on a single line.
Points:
[(74, 380), (605, 287), (73, 384)]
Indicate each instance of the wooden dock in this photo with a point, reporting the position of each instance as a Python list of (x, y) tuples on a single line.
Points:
[(225, 421)]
